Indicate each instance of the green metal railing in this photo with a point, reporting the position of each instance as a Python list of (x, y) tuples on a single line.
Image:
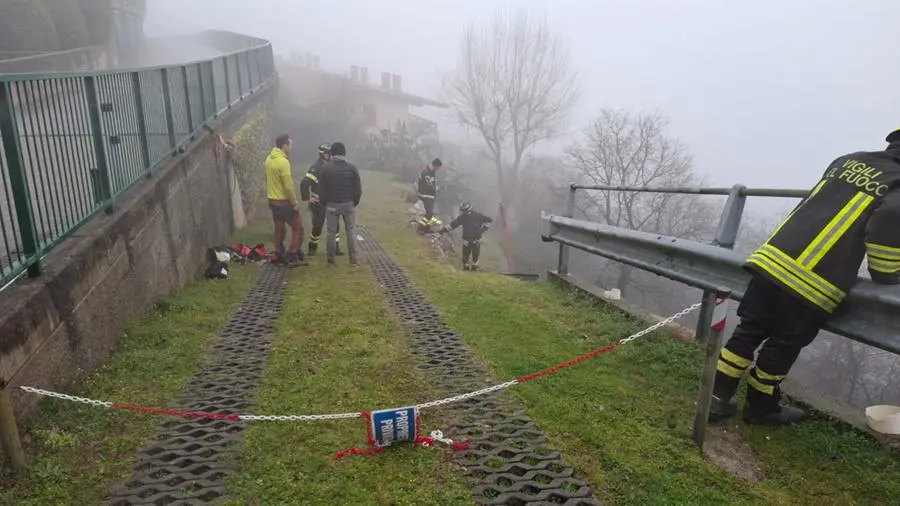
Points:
[(71, 143)]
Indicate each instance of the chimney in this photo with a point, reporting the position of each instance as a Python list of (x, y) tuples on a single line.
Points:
[(364, 75), (398, 84), (354, 73), (385, 80), (316, 61)]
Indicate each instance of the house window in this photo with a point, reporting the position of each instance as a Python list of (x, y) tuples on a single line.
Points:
[(370, 115)]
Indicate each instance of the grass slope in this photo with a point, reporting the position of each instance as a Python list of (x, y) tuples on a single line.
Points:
[(338, 349), (76, 452), (624, 418)]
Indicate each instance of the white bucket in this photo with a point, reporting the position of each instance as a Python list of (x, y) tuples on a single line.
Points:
[(884, 419)]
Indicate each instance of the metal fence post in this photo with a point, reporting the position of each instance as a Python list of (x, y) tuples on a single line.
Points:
[(227, 82), (104, 189), (212, 91), (141, 119), (187, 98), (726, 236), (240, 82), (562, 267), (167, 100), (18, 180), (9, 432)]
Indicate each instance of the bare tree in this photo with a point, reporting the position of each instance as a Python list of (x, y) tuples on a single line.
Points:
[(624, 149), (514, 86)]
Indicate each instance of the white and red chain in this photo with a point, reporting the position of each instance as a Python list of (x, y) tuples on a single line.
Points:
[(339, 416)]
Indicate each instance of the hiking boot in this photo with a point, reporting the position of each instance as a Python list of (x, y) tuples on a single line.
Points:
[(763, 409), (785, 415), (721, 409), (723, 405)]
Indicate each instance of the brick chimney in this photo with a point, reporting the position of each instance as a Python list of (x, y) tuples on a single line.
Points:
[(398, 83)]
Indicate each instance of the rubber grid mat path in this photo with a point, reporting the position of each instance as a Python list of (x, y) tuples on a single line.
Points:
[(188, 461), (508, 462)]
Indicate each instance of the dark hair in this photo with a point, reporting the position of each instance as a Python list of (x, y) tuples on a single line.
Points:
[(338, 149), (436, 162), (282, 140)]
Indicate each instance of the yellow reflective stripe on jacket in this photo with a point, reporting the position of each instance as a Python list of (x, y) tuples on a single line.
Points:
[(833, 231), (312, 177), (811, 195), (769, 265), (883, 252), (885, 266), (798, 271), (884, 259)]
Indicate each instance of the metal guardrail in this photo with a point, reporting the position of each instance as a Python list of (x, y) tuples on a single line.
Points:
[(870, 314), (71, 143)]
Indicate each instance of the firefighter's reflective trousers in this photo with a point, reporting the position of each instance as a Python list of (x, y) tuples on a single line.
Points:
[(782, 324)]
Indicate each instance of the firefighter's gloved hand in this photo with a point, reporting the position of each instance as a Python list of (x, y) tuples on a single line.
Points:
[(485, 226), (884, 279)]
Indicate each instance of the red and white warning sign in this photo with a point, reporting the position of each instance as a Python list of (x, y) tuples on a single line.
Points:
[(720, 314)]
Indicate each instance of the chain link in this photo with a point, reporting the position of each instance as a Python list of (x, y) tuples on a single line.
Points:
[(73, 398), (661, 323), (341, 416)]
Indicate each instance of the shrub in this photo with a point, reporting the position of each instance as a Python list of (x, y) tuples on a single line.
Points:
[(252, 143)]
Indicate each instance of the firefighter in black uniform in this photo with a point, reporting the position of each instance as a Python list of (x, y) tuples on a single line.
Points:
[(426, 189), (309, 192), (803, 272), (473, 226)]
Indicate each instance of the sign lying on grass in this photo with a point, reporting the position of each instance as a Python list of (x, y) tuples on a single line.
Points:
[(393, 425)]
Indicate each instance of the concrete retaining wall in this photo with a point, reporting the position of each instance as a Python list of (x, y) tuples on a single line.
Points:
[(67, 321)]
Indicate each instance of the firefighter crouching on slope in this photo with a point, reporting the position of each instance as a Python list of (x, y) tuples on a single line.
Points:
[(803, 272), (283, 202), (309, 192), (473, 225), (426, 188)]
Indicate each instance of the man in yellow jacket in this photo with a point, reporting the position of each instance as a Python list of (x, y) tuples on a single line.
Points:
[(283, 202)]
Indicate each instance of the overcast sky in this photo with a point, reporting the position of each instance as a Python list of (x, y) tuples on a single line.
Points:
[(765, 93)]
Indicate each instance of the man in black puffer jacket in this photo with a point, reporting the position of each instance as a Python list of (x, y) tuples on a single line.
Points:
[(340, 190)]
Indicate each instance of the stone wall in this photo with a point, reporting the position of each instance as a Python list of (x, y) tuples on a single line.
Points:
[(67, 321)]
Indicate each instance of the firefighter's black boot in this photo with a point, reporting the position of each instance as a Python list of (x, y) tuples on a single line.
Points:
[(311, 251), (765, 409), (723, 405)]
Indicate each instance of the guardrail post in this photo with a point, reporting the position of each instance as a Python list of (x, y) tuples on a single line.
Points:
[(726, 236), (708, 379), (103, 187), (167, 100), (9, 432), (18, 180), (562, 267), (141, 119)]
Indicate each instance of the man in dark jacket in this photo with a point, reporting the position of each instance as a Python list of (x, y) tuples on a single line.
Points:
[(340, 190), (309, 192), (803, 272), (473, 226), (426, 188)]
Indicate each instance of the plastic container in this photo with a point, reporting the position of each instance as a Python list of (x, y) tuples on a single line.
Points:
[(884, 419)]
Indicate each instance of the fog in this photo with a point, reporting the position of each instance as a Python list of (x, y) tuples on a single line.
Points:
[(765, 94)]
